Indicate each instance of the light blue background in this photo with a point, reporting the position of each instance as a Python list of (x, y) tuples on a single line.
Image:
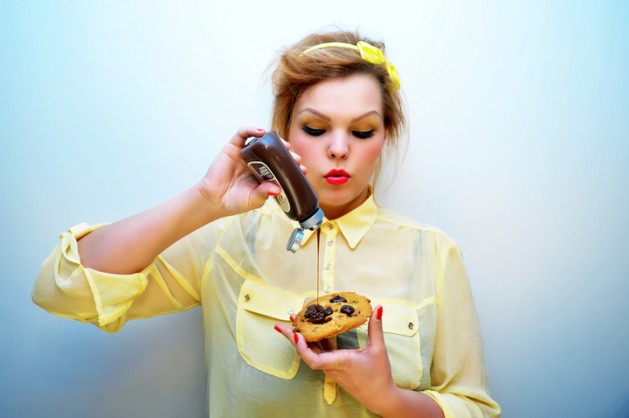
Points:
[(519, 150)]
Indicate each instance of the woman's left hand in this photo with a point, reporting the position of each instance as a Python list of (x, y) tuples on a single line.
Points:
[(364, 373)]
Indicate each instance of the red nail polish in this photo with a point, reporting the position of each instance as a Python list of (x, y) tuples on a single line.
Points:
[(379, 313), (277, 329), (292, 318), (296, 337)]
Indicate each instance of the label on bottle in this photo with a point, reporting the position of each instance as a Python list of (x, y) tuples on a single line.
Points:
[(264, 173)]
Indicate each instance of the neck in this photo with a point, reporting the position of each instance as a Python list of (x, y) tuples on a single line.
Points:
[(332, 211)]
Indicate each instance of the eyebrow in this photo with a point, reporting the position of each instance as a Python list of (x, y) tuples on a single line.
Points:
[(325, 117)]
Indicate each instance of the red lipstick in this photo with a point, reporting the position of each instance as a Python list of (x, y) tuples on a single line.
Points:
[(337, 176)]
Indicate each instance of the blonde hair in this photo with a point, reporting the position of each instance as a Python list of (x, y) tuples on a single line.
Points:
[(296, 72)]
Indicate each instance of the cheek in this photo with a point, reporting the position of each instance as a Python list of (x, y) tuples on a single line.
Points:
[(295, 142), (308, 150), (371, 154), (299, 147)]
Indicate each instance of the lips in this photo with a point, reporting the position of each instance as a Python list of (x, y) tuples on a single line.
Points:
[(337, 176)]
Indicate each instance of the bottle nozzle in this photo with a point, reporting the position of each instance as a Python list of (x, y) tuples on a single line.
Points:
[(295, 240)]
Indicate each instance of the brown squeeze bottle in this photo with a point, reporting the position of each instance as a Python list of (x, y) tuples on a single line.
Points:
[(269, 160)]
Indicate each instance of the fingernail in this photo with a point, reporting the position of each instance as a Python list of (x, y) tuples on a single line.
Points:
[(379, 313), (277, 328), (292, 318), (296, 337)]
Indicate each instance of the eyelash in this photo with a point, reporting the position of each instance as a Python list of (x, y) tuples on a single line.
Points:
[(358, 134), (363, 134), (312, 131)]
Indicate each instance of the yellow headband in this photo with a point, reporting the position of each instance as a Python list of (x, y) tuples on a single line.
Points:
[(367, 52)]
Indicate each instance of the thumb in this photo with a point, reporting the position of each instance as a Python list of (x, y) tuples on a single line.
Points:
[(376, 335)]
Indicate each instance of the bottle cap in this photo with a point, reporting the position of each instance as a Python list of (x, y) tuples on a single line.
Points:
[(314, 221), (295, 240)]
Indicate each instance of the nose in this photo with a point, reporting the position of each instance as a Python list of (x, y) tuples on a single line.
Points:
[(339, 146)]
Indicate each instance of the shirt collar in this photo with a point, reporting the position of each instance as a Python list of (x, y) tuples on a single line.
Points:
[(353, 225)]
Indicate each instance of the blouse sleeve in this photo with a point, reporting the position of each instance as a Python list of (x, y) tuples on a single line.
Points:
[(64, 287), (459, 377)]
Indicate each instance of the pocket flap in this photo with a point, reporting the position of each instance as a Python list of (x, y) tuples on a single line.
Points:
[(399, 318), (268, 301)]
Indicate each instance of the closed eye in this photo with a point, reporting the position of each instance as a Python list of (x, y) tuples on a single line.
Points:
[(363, 134), (313, 131)]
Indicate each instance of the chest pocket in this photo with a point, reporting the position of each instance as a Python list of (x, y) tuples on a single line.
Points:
[(259, 308), (400, 324)]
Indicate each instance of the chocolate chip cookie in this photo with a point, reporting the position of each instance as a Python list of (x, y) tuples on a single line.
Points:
[(332, 315)]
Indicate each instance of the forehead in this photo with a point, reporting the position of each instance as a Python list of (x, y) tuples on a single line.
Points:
[(355, 94)]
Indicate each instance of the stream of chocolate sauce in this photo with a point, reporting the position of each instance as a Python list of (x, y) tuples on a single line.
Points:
[(318, 262)]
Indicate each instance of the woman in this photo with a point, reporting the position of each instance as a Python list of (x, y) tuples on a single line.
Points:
[(221, 245)]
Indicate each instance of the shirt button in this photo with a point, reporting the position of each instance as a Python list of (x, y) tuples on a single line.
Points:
[(327, 289), (411, 325), (291, 311), (328, 266), (330, 242), (330, 226)]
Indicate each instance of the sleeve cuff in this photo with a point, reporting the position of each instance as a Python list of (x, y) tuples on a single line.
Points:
[(442, 402), (113, 293)]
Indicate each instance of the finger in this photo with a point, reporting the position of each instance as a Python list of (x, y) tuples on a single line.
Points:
[(296, 157), (317, 358), (261, 192), (285, 330), (305, 351), (316, 347), (286, 143), (322, 346), (246, 132), (328, 344), (376, 335), (267, 189), (312, 354)]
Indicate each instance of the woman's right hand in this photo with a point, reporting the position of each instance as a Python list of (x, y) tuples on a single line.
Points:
[(229, 186)]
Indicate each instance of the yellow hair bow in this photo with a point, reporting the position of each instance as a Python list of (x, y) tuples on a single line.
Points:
[(367, 52)]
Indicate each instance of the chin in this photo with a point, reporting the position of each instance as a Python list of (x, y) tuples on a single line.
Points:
[(340, 200)]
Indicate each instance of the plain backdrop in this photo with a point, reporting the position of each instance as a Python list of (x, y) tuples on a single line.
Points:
[(518, 149)]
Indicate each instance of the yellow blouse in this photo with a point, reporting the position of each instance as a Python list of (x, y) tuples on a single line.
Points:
[(239, 271)]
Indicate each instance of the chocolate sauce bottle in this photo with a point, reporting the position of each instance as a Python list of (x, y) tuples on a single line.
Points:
[(269, 160)]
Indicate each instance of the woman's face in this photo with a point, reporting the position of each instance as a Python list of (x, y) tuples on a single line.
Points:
[(338, 129)]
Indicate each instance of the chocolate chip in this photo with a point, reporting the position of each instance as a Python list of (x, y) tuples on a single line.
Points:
[(347, 310), (316, 314), (338, 299)]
